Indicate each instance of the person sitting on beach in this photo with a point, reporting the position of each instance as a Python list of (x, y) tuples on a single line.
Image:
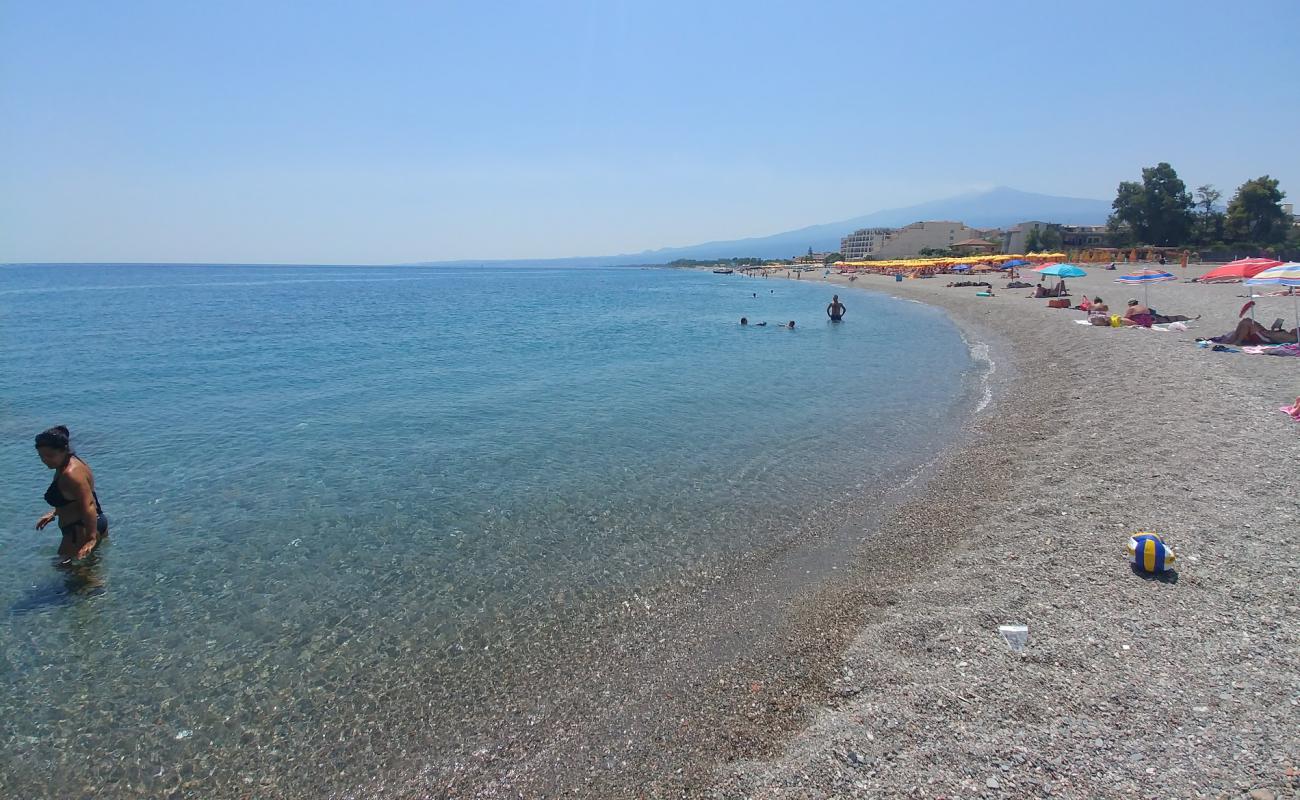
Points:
[(836, 309), (1039, 291), (1138, 315), (1060, 290), (1098, 312), (1249, 331)]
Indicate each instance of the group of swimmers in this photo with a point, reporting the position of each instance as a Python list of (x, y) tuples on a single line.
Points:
[(835, 310)]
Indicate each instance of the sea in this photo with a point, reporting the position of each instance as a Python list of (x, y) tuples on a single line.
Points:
[(324, 480)]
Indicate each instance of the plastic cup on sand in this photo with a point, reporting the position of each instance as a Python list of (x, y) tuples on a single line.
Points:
[(1016, 636)]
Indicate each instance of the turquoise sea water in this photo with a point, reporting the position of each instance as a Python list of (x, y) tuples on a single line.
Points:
[(317, 474)]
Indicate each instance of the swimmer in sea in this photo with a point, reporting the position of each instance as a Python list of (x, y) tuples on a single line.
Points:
[(836, 309), (744, 320), (72, 493), (790, 325)]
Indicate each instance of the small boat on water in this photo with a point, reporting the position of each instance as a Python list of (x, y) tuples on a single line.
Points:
[(723, 271)]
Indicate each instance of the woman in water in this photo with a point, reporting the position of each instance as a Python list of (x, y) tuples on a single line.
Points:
[(72, 493)]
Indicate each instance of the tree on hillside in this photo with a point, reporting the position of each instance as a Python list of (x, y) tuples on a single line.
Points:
[(1158, 210), (1209, 220), (1255, 213), (831, 258)]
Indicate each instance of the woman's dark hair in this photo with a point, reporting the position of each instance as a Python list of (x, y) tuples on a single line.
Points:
[(55, 438)]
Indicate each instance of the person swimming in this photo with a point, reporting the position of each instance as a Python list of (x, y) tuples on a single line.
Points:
[(835, 310), (72, 494), (744, 320), (790, 325)]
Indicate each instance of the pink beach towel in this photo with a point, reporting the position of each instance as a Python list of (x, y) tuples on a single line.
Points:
[(1292, 411)]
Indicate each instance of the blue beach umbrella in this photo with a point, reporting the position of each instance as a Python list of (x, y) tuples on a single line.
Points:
[(1282, 275), (1062, 271), (1146, 277), (961, 268), (1015, 262)]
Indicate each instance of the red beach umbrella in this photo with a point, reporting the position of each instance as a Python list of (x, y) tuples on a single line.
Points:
[(1239, 270)]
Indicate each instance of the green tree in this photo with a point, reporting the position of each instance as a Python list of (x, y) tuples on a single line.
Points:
[(1255, 213), (1050, 238), (1209, 220), (1033, 241), (1158, 210), (831, 258)]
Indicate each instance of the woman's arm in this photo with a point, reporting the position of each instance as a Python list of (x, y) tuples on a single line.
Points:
[(89, 534)]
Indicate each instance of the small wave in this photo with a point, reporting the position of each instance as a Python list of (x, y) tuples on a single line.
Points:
[(982, 355)]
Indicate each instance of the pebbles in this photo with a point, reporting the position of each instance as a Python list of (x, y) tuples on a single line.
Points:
[(1132, 686)]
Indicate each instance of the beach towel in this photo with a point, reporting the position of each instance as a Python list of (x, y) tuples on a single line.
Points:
[(1292, 411)]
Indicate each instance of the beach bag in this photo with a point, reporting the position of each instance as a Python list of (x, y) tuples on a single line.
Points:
[(1115, 321)]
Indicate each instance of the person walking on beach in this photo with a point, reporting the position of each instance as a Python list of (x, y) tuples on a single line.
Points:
[(836, 309), (72, 493)]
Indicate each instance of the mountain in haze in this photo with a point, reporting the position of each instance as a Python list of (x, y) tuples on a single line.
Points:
[(995, 208)]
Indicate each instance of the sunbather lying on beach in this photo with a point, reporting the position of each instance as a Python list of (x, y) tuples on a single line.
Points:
[(1162, 319), (1251, 332), (1019, 285)]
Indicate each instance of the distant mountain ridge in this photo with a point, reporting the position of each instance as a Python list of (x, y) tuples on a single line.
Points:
[(995, 208)]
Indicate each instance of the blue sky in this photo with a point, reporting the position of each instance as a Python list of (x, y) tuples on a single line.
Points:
[(382, 132)]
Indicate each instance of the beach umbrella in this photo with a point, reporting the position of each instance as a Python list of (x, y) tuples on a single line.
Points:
[(961, 268), (1015, 262), (1240, 269), (1146, 277), (1287, 274), (1061, 271)]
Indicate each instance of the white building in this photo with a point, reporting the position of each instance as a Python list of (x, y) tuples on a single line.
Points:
[(906, 242)]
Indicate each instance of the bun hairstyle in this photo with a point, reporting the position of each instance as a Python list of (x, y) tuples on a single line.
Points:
[(55, 438)]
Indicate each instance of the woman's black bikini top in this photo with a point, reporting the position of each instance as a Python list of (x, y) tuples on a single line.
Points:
[(54, 497)]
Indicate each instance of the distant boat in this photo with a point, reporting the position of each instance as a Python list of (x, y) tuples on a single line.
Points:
[(723, 271)]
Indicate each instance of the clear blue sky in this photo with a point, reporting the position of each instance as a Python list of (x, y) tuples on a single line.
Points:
[(373, 132)]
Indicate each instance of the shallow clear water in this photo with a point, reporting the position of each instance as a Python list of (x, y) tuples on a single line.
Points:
[(315, 472)]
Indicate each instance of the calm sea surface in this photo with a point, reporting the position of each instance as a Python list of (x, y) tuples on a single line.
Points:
[(317, 475)]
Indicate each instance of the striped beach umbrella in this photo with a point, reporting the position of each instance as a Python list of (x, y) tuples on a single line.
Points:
[(1146, 277), (1287, 274)]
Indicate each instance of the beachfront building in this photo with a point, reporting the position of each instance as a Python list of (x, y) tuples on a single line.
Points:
[(905, 242), (974, 247), (812, 258), (1077, 236), (1013, 238)]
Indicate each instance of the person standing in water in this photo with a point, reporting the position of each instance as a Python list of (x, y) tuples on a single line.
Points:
[(836, 309), (72, 493)]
